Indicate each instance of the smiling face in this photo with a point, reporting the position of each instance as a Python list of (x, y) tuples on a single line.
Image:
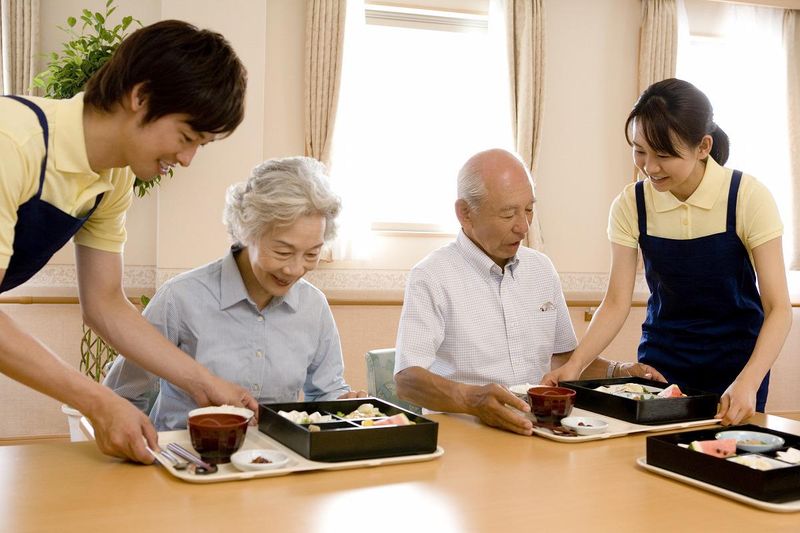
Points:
[(502, 219), (273, 264), (152, 148), (157, 146), (679, 174)]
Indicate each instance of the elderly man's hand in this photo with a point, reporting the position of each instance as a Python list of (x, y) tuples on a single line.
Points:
[(488, 402)]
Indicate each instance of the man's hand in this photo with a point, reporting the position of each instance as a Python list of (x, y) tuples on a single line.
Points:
[(737, 403), (121, 430), (488, 402), (354, 394), (217, 391)]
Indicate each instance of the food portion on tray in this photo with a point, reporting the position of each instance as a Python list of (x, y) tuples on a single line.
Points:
[(366, 414), (643, 401), (637, 391), (726, 459), (346, 430)]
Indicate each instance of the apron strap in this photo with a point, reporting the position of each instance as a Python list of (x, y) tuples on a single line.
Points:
[(45, 132), (733, 194), (640, 208)]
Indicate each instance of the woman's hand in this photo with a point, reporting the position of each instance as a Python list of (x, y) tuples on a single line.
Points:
[(638, 370), (737, 404), (353, 394), (567, 372)]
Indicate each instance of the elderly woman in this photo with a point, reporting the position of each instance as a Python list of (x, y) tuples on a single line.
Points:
[(250, 317)]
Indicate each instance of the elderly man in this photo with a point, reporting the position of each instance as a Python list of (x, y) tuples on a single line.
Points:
[(483, 313)]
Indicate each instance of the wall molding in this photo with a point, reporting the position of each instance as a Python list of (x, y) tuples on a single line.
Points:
[(61, 278)]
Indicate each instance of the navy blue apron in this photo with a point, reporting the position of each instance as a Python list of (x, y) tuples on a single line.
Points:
[(704, 313), (41, 229)]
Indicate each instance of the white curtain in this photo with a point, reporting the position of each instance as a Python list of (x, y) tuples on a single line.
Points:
[(739, 60), (524, 33), (658, 42), (324, 44), (791, 40), (19, 44)]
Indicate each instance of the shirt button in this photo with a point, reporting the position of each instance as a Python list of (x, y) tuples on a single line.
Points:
[(259, 353), (684, 222), (255, 387), (260, 318)]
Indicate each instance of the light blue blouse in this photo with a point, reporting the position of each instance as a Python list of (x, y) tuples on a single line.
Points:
[(289, 346)]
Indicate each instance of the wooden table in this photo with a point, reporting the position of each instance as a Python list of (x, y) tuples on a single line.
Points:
[(487, 480)]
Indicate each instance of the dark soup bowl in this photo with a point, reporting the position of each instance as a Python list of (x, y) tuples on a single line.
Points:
[(551, 404), (218, 432)]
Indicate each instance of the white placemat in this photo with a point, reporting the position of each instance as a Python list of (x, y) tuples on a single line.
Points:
[(618, 428)]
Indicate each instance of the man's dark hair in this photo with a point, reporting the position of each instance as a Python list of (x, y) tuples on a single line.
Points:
[(183, 70)]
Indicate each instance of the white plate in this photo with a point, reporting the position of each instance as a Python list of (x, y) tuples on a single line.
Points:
[(770, 441), (521, 391), (584, 425), (243, 460)]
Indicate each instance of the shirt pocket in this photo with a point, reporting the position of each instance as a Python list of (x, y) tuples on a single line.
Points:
[(542, 337)]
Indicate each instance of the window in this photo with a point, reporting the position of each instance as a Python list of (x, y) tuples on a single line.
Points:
[(741, 67), (421, 91)]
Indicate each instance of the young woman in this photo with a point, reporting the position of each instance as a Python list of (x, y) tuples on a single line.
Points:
[(250, 317), (719, 310)]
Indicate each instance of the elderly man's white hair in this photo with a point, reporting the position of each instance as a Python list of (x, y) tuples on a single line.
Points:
[(471, 187), (277, 194)]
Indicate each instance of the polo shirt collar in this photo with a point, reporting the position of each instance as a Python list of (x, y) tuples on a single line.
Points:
[(233, 290), (703, 197), (478, 258), (69, 145)]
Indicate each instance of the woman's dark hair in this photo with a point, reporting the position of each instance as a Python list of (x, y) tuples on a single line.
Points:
[(183, 69), (675, 108)]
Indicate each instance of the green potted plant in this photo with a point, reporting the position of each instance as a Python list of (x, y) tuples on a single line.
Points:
[(81, 56), (66, 75)]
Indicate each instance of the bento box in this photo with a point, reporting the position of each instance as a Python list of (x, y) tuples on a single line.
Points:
[(779, 484), (696, 405), (347, 439)]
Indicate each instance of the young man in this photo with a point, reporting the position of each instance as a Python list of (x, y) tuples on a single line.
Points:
[(67, 168)]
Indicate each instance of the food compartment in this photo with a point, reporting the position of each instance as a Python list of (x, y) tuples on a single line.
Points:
[(696, 405), (348, 439), (779, 484)]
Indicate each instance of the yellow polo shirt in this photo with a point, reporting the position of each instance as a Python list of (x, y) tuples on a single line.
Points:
[(70, 184), (703, 213)]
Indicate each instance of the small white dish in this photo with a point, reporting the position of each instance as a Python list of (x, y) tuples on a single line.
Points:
[(752, 441), (243, 460), (583, 425)]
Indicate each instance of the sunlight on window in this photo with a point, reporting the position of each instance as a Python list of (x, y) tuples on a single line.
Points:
[(743, 72), (415, 103)]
